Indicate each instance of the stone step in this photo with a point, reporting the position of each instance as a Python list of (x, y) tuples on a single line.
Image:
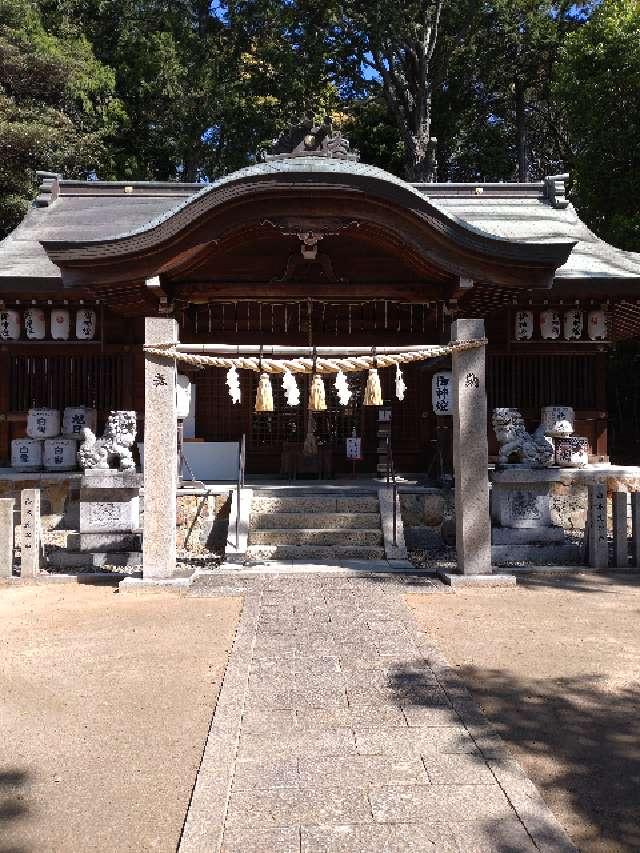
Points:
[(86, 560), (104, 542), (313, 503), (315, 520), (537, 555), (308, 536), (325, 553)]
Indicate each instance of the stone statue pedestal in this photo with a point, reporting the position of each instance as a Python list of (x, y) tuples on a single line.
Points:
[(109, 524), (523, 527)]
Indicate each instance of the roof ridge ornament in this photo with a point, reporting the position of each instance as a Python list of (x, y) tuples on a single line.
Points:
[(555, 190), (308, 139)]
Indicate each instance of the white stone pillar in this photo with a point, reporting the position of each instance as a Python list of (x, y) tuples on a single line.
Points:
[(635, 529), (160, 453), (29, 533), (6, 537), (471, 452), (620, 531), (597, 527)]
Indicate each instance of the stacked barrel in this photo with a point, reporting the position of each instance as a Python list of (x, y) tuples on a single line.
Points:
[(50, 444)]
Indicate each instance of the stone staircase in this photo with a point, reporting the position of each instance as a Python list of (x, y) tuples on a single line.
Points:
[(315, 527)]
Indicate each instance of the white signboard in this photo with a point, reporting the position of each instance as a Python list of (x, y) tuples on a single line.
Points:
[(354, 447)]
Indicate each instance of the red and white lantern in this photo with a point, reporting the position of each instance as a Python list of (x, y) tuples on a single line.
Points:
[(34, 324), (60, 324), (10, 324)]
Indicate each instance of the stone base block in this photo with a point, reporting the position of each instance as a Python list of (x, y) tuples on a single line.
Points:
[(470, 581), (86, 560), (524, 536), (104, 542), (534, 553)]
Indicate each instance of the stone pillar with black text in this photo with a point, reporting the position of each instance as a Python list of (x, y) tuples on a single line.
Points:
[(470, 451), (160, 452), (29, 533)]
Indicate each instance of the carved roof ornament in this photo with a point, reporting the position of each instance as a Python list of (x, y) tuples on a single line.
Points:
[(311, 140)]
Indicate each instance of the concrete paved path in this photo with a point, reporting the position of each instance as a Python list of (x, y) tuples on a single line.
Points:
[(339, 729)]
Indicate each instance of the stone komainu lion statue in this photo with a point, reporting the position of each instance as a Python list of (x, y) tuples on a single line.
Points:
[(516, 444), (114, 446)]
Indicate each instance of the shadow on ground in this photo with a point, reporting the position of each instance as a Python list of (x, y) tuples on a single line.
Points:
[(578, 741), (12, 805), (581, 582)]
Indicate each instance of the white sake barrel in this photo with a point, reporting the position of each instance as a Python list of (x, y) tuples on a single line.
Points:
[(442, 392), (60, 324), (34, 324), (74, 420), (550, 325), (523, 330), (10, 321), (558, 420), (43, 423), (85, 324), (60, 454), (572, 451), (26, 454), (573, 322), (597, 325)]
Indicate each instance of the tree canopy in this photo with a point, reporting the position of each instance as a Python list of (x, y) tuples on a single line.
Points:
[(429, 89)]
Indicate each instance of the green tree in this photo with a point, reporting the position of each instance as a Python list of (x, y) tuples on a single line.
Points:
[(57, 108), (598, 83)]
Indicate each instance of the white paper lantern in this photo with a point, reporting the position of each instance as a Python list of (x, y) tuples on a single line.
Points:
[(60, 454), (10, 324), (572, 452), (442, 392), (573, 323), (523, 325), (34, 324), (558, 420), (183, 396), (550, 325), (75, 419), (85, 324), (60, 324), (597, 325), (43, 423), (26, 454)]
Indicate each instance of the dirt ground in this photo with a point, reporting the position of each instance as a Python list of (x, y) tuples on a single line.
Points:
[(555, 664), (105, 703)]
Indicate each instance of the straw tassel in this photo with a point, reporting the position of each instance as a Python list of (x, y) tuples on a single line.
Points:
[(400, 384), (264, 394), (317, 400), (373, 391)]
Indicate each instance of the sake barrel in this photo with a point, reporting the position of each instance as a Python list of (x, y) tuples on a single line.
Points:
[(74, 420), (572, 451), (60, 454), (26, 454), (10, 321), (60, 324), (34, 324), (43, 423), (558, 420)]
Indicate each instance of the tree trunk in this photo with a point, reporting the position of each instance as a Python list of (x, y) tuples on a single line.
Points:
[(419, 156), (521, 133)]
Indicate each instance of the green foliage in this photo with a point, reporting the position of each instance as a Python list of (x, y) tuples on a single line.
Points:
[(56, 106), (598, 83)]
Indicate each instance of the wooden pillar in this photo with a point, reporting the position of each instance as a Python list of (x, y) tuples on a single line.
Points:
[(470, 451), (160, 452)]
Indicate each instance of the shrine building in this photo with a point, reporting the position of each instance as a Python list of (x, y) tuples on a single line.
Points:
[(315, 251)]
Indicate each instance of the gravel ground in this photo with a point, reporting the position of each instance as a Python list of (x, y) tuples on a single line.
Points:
[(555, 664), (105, 702)]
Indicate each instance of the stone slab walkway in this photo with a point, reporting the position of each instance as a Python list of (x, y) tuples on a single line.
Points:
[(339, 729)]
